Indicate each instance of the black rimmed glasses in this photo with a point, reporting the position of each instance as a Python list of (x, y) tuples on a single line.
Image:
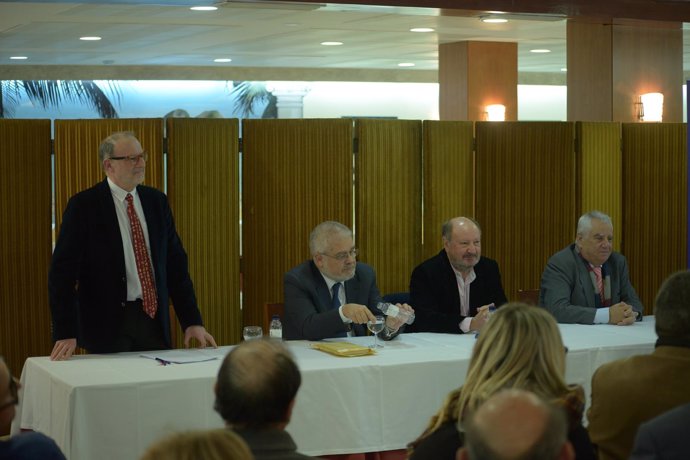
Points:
[(342, 256), (134, 159), (14, 393)]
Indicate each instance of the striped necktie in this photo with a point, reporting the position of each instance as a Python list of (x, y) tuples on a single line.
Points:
[(600, 282), (141, 257)]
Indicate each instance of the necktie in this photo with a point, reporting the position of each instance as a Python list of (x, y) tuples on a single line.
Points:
[(148, 288), (335, 301), (600, 282)]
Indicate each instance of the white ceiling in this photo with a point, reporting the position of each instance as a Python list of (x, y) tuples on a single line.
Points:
[(262, 35)]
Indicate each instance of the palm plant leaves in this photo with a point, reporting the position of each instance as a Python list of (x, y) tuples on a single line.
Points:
[(51, 93), (249, 93)]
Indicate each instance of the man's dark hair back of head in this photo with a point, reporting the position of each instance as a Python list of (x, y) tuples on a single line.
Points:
[(256, 384), (672, 307)]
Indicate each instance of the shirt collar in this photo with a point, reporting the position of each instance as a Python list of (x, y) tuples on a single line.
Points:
[(120, 193), (330, 282), (471, 277)]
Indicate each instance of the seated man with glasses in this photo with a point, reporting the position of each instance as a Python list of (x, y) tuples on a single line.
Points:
[(332, 295), (27, 445)]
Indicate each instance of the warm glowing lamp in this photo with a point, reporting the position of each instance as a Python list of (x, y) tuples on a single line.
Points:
[(496, 112), (652, 107)]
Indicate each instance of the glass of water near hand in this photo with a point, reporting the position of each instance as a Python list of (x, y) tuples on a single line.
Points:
[(252, 332), (375, 327)]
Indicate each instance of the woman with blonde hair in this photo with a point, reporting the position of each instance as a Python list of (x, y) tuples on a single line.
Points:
[(221, 444), (520, 347)]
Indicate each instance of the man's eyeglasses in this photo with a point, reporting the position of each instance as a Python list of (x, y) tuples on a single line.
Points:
[(14, 393), (134, 159), (342, 256)]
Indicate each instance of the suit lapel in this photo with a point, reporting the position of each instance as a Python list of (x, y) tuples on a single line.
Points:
[(152, 223), (111, 224), (320, 289), (584, 279), (352, 289)]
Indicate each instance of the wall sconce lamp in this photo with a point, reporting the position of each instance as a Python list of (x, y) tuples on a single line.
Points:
[(650, 107), (496, 112)]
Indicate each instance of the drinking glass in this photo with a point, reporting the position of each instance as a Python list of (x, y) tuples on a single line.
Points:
[(375, 327), (252, 332)]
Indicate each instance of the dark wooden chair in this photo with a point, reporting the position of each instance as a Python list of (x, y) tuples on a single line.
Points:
[(270, 309), (529, 296)]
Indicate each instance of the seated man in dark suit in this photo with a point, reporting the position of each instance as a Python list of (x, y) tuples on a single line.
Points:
[(332, 295), (25, 446), (664, 437), (587, 282), (255, 392), (452, 291)]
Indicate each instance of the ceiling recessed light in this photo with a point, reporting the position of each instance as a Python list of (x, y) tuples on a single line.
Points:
[(422, 29), (406, 64), (222, 60), (540, 50), (19, 58), (203, 8), (563, 69), (494, 20), (331, 43), (90, 39)]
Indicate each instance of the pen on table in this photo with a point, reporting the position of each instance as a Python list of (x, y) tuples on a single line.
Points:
[(163, 362)]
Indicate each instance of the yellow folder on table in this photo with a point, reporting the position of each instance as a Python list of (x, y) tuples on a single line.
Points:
[(344, 349)]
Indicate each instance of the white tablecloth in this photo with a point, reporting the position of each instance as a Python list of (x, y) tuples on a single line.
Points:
[(113, 406)]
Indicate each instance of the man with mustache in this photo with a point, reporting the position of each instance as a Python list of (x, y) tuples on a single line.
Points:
[(117, 260), (587, 282), (333, 295), (452, 291)]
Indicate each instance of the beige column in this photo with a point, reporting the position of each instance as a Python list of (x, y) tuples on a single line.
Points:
[(473, 75), (611, 65)]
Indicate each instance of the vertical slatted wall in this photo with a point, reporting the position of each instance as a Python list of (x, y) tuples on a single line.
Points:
[(525, 188), (388, 204), (25, 240), (296, 174), (448, 177), (204, 194), (654, 204), (600, 173)]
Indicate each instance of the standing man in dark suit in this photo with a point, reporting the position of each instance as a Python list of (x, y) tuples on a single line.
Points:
[(452, 291), (587, 282), (117, 261), (332, 295)]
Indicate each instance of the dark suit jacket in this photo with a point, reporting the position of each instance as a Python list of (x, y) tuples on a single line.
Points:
[(87, 283), (567, 290), (308, 313), (630, 391), (664, 437), (271, 444), (435, 298)]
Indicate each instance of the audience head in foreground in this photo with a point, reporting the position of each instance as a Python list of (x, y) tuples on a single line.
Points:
[(520, 347), (633, 390), (516, 424), (255, 393), (25, 446), (200, 445)]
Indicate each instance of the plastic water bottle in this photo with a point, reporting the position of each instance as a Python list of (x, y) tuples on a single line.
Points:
[(276, 328), (394, 311)]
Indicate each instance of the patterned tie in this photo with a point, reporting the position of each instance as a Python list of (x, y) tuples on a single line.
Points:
[(335, 301), (141, 256), (600, 282)]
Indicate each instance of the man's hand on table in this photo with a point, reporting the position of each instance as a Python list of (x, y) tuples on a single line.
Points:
[(63, 349), (621, 314), (203, 338)]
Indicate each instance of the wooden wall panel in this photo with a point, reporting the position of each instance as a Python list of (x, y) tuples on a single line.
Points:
[(295, 175), (525, 196), (600, 173), (76, 154), (655, 185), (204, 193), (25, 242), (448, 177), (388, 168)]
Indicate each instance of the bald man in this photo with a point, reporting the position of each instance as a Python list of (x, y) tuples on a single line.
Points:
[(516, 424), (452, 291)]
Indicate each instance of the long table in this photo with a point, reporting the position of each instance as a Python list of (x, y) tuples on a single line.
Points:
[(114, 406)]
